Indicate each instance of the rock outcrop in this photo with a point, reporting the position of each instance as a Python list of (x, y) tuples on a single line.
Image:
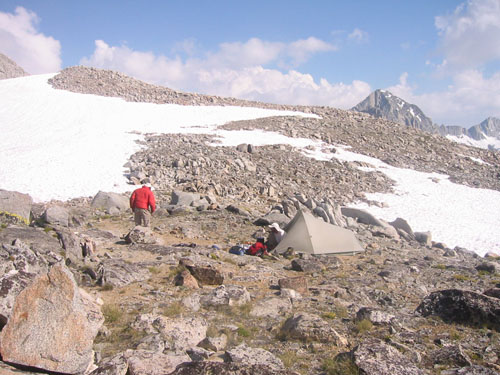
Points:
[(52, 326), (9, 69), (464, 307)]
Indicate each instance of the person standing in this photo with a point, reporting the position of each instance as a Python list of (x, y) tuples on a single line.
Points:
[(143, 204)]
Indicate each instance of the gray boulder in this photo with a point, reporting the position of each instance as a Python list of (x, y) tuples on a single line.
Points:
[(118, 273), (57, 215), (425, 238), (298, 283), (254, 356), (452, 355), (490, 267), (214, 344), (403, 225), (470, 370), (36, 239), (462, 306), (206, 275), (178, 334), (375, 357), (273, 217), (53, 325), (140, 235), (16, 206), (110, 202), (230, 295), (209, 368), (309, 327), (145, 362), (361, 216), (140, 362), (181, 198), (307, 265), (375, 316), (271, 308)]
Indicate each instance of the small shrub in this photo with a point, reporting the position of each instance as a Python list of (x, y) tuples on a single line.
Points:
[(340, 366), (455, 335), (439, 266), (461, 277), (154, 270), (329, 315), (174, 309), (363, 326), (47, 229), (112, 313), (341, 312), (107, 287), (289, 358), (212, 331), (174, 271), (243, 332)]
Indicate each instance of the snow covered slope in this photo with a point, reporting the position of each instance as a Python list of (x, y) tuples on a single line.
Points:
[(59, 145)]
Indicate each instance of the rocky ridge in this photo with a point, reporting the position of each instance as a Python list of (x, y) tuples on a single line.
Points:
[(400, 146), (383, 104)]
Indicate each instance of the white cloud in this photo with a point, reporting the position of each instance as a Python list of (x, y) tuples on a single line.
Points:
[(470, 36), (358, 36), (469, 100), (301, 50), (237, 70), (30, 49)]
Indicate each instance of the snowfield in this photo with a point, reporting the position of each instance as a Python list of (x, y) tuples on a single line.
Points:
[(60, 145)]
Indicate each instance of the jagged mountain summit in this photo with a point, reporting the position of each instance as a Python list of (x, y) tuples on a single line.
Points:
[(383, 104), (489, 127), (9, 69)]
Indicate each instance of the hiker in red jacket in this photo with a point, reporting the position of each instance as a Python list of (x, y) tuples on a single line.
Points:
[(142, 202)]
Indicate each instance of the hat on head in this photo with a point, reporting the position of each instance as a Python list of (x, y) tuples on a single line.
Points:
[(275, 226), (146, 182)]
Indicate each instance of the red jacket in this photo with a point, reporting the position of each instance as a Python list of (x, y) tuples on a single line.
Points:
[(256, 248), (143, 198)]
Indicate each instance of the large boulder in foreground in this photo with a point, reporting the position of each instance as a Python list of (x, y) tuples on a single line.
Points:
[(463, 307), (53, 325), (16, 206), (19, 266)]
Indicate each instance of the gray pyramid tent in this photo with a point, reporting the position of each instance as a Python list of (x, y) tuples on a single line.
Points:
[(307, 234)]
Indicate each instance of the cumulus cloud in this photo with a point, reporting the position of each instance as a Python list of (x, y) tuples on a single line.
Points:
[(22, 42), (469, 40), (237, 70), (469, 100), (470, 36), (301, 50)]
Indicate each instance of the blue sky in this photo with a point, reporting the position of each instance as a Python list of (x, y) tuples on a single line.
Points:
[(442, 55)]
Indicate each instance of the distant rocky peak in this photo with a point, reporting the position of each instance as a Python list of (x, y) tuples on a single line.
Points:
[(9, 69), (489, 127), (383, 104)]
